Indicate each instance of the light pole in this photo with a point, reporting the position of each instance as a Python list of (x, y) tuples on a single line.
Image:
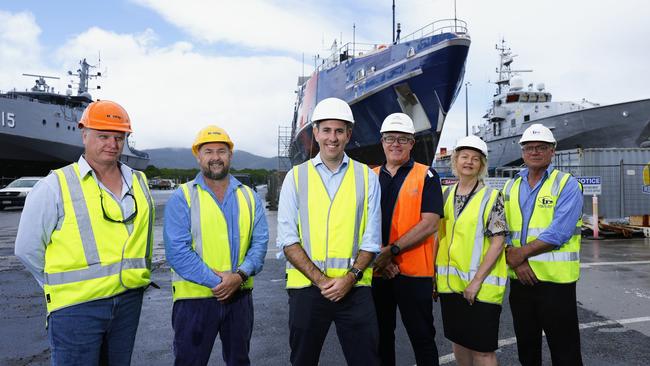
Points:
[(466, 114)]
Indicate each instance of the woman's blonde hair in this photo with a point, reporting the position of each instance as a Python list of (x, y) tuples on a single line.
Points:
[(482, 172)]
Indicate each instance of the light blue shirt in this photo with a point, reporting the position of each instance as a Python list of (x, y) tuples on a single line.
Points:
[(288, 205), (178, 237), (567, 210), (43, 213)]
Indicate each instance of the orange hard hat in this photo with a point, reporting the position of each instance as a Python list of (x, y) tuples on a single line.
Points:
[(211, 133), (105, 115)]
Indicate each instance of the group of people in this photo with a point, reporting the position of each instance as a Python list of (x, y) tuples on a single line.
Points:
[(359, 244)]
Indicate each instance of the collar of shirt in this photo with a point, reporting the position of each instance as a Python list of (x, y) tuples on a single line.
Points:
[(406, 166), (524, 175), (233, 184), (127, 173), (318, 161)]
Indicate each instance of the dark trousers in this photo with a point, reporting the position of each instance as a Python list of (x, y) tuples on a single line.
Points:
[(550, 307), (310, 317), (413, 296), (197, 322)]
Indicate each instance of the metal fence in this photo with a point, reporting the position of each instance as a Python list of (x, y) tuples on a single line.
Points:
[(624, 192)]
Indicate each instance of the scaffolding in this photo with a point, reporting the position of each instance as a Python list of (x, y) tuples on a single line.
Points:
[(284, 145), (284, 165)]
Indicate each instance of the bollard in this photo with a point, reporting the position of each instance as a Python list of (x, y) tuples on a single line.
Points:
[(594, 217)]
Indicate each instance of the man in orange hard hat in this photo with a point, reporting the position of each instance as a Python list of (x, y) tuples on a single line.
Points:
[(85, 234), (216, 237)]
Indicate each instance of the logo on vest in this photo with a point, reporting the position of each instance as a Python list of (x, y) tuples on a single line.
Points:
[(545, 202)]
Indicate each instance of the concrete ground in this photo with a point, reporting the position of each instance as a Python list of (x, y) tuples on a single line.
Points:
[(613, 309)]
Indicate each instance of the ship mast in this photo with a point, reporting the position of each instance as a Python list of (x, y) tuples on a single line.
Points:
[(505, 73), (84, 76)]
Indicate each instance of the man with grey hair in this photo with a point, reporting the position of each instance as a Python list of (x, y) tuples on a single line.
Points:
[(411, 205), (544, 215)]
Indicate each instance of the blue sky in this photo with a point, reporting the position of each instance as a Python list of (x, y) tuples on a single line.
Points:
[(196, 62)]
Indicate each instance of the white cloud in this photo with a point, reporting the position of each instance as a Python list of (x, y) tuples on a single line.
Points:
[(19, 46), (290, 26), (172, 91)]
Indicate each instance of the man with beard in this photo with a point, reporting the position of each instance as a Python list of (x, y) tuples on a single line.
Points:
[(216, 237)]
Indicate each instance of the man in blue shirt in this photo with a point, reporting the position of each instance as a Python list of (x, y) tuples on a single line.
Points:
[(216, 236), (543, 211), (328, 279)]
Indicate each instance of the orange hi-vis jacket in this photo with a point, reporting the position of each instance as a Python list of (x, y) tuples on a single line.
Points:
[(417, 260)]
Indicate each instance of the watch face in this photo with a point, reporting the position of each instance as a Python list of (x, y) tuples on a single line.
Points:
[(394, 249)]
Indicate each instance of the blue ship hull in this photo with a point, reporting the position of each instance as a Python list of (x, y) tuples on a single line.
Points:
[(421, 78)]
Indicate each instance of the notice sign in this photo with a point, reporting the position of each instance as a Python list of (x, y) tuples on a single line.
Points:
[(496, 183), (590, 185)]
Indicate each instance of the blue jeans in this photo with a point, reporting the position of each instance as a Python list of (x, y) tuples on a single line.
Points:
[(96, 332)]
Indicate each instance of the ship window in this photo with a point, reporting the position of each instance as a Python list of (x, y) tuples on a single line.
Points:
[(57, 125), (532, 98), (68, 128), (542, 98), (44, 122), (497, 129), (512, 98), (513, 122), (72, 128), (523, 98), (361, 73), (527, 118)]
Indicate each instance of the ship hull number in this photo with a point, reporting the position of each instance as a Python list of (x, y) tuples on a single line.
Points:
[(7, 119)]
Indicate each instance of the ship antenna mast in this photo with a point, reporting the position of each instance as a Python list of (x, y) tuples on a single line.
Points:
[(505, 72), (84, 76), (393, 21)]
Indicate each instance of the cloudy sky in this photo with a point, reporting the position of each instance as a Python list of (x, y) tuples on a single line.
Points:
[(179, 65)]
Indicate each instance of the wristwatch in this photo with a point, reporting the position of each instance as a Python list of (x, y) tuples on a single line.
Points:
[(395, 249), (243, 275), (358, 274)]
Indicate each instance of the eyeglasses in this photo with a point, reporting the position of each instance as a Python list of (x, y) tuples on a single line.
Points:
[(108, 218), (538, 148), (401, 140)]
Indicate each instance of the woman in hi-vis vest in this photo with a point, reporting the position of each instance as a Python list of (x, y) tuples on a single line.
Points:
[(471, 271)]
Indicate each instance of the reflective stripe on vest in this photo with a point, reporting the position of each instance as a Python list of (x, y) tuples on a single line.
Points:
[(561, 265), (210, 236), (89, 257), (330, 237), (418, 260), (463, 246)]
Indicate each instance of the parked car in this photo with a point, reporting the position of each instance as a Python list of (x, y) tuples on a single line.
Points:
[(158, 183), (14, 193)]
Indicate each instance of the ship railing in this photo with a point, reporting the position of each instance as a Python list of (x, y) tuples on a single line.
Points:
[(353, 50), (348, 51), (438, 27)]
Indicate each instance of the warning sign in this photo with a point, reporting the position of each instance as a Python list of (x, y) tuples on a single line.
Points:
[(590, 185)]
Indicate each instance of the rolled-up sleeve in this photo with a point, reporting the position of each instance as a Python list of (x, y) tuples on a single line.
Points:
[(178, 244), (287, 233), (371, 239), (254, 259), (40, 217), (567, 213)]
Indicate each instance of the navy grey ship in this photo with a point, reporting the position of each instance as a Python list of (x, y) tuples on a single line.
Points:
[(38, 127), (419, 74), (574, 124)]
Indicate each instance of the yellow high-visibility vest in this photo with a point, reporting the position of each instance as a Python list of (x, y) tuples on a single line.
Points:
[(210, 236), (463, 245), (89, 257), (330, 229), (561, 265)]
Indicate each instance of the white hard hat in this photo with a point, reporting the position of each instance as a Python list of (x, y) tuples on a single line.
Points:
[(398, 122), (332, 108), (537, 132), (472, 142)]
